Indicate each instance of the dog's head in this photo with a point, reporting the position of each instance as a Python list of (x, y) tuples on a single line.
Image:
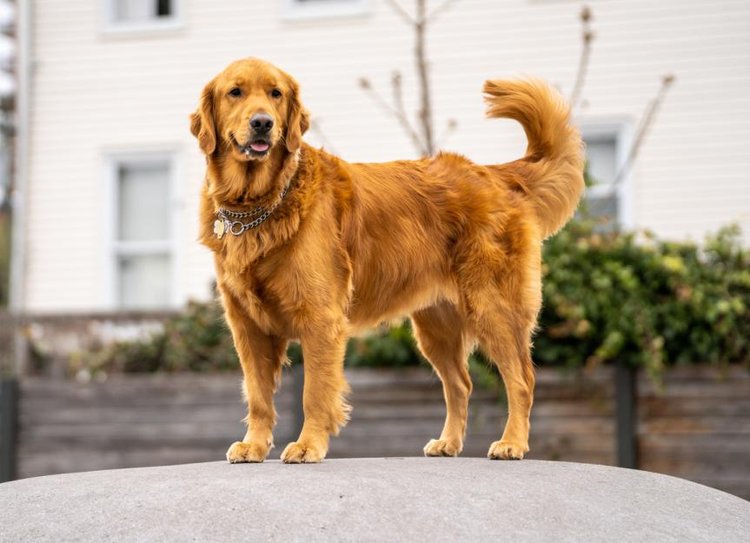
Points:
[(248, 110)]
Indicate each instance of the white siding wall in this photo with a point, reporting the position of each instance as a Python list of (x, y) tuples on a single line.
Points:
[(96, 92)]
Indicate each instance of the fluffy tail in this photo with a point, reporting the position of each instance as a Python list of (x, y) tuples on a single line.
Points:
[(554, 161)]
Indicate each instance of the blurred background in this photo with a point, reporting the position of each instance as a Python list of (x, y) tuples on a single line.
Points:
[(113, 350)]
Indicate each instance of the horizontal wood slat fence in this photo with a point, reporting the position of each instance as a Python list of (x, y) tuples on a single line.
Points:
[(697, 426)]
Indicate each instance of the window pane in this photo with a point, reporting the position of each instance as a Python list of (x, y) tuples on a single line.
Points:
[(602, 196), (143, 202), (600, 154), (326, 1), (134, 10), (144, 281), (603, 207), (164, 8)]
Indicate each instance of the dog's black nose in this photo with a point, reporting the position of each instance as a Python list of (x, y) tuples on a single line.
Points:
[(261, 123)]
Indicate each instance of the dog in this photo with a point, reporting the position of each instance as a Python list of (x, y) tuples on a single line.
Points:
[(312, 248)]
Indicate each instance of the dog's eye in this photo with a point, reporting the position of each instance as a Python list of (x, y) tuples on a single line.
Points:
[(235, 92), (276, 93)]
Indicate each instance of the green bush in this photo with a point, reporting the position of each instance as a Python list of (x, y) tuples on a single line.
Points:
[(608, 296), (644, 302), (196, 340), (5, 234)]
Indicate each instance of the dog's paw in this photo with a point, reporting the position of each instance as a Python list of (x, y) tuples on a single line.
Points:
[(442, 447), (241, 452), (298, 452), (507, 450)]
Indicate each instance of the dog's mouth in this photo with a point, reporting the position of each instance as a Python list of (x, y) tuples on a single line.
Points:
[(256, 148)]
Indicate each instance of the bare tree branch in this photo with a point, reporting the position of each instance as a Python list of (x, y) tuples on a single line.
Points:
[(315, 126), (449, 129), (644, 126), (398, 8), (438, 10), (424, 138), (401, 117), (587, 36), (398, 102), (425, 112), (398, 92)]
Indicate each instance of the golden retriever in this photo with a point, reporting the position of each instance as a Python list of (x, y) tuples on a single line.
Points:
[(312, 248)]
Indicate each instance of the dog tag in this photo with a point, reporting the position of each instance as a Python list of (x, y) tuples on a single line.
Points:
[(219, 228)]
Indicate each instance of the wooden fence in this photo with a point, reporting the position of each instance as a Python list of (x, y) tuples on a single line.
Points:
[(697, 426)]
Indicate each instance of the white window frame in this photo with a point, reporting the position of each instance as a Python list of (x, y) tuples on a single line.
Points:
[(113, 248), (112, 26), (295, 10), (621, 131)]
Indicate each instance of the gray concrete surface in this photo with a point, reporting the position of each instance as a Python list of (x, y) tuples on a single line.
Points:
[(393, 499)]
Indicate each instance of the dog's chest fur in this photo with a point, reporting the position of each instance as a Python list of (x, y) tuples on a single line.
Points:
[(257, 297), (254, 267), (275, 272)]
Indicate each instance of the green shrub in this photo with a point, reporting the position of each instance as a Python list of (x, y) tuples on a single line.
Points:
[(5, 234), (196, 340), (608, 296), (644, 302)]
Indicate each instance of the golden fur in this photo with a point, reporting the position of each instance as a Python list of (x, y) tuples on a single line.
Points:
[(453, 244)]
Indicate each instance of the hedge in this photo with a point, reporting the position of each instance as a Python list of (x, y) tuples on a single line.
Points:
[(608, 296)]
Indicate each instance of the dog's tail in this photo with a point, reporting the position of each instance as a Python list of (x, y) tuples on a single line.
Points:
[(554, 161)]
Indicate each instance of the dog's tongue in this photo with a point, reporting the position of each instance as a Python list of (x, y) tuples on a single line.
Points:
[(259, 146)]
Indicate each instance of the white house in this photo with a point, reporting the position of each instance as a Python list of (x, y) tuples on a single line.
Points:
[(110, 175)]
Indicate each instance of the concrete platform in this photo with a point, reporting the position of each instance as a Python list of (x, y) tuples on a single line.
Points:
[(392, 499)]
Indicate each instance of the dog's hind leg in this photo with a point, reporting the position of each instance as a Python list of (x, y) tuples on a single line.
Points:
[(261, 357), (442, 338), (501, 287), (503, 316), (506, 340)]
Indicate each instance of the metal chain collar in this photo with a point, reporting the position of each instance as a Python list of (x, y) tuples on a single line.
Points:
[(227, 221)]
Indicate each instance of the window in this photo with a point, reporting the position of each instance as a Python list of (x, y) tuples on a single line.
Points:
[(314, 9), (142, 259), (605, 156), (141, 14)]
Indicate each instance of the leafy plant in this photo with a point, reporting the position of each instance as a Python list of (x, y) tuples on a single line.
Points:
[(613, 296), (197, 340), (608, 296), (5, 234)]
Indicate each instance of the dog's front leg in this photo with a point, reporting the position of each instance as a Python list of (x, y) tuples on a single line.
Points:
[(324, 396), (261, 357)]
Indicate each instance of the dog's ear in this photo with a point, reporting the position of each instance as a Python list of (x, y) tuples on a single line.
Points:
[(202, 121), (298, 120)]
